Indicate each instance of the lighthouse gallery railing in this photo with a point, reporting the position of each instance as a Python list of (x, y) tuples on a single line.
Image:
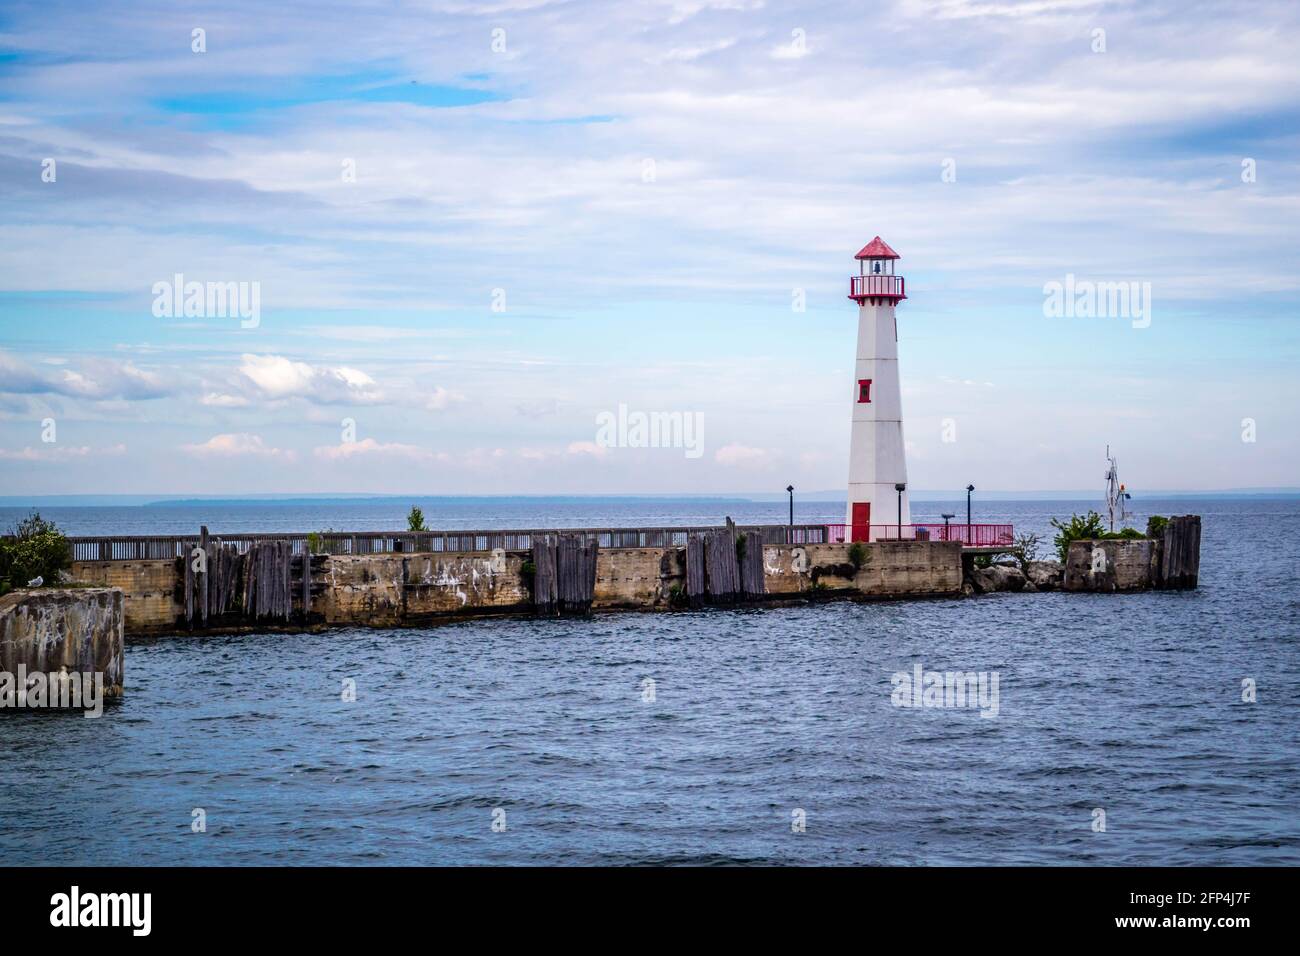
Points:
[(970, 535), (882, 285)]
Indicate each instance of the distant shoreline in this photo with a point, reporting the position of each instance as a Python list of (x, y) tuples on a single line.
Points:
[(827, 497)]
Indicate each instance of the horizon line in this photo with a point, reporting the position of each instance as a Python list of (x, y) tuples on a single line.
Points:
[(820, 495)]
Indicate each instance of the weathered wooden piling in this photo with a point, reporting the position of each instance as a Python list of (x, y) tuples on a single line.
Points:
[(1180, 553), (564, 579), (575, 571), (545, 596), (257, 585), (696, 583), (752, 577), (306, 582), (721, 575), (202, 582)]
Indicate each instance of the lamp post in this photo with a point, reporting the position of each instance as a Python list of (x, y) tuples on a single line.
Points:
[(900, 487), (969, 489), (790, 489), (946, 516)]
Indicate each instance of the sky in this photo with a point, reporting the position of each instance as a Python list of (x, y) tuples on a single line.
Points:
[(475, 231)]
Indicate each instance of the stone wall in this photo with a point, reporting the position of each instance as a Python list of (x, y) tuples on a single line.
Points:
[(889, 568), (634, 577), (82, 629), (148, 587), (1111, 565)]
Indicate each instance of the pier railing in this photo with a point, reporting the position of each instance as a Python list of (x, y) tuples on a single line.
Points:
[(970, 535), (144, 547)]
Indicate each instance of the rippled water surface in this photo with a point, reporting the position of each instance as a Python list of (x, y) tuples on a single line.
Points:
[(1131, 704)]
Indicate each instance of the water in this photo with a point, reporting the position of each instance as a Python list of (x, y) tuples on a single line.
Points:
[(1128, 703), (370, 514)]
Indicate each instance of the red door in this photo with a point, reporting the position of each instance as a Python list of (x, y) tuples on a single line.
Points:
[(861, 529)]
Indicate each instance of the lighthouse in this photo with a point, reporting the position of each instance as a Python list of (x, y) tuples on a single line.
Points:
[(878, 505)]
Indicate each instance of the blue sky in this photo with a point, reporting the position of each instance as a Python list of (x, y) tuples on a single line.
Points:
[(650, 186)]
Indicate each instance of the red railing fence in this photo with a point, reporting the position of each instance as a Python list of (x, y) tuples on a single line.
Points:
[(877, 285), (970, 535)]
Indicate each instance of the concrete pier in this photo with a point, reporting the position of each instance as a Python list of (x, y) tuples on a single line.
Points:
[(77, 630), (400, 589)]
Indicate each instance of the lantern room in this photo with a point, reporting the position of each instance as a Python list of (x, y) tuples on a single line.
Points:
[(876, 278)]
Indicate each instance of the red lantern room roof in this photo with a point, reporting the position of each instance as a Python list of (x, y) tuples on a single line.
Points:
[(877, 248)]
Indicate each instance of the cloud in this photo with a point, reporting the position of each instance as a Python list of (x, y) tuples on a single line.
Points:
[(53, 452), (276, 377), (684, 54), (790, 51), (238, 445), (369, 448), (442, 398), (538, 408), (94, 378), (220, 400), (589, 448), (734, 454)]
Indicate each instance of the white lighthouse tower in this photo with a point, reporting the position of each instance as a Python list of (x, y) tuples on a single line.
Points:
[(878, 506)]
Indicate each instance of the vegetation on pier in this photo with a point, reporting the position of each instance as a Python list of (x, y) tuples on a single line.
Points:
[(33, 548), (415, 520), (1089, 528)]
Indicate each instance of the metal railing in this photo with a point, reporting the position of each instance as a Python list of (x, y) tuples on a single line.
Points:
[(886, 286), (970, 535), (146, 547)]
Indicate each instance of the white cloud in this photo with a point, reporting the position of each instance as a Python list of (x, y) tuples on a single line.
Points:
[(369, 448), (237, 445), (220, 400), (587, 448), (735, 454), (277, 377), (95, 378), (53, 452), (684, 54), (442, 398)]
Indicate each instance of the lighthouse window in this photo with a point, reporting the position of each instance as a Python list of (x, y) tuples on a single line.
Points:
[(864, 391), (875, 267)]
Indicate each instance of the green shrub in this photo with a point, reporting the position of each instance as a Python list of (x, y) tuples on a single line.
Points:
[(1124, 534), (677, 596), (1026, 550), (33, 548), (1079, 528), (415, 520), (316, 543), (857, 555), (1156, 526)]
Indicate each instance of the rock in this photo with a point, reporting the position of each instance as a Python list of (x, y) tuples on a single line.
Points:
[(1046, 575), (995, 578)]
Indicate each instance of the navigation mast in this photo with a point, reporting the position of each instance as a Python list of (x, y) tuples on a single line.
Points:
[(1116, 495)]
